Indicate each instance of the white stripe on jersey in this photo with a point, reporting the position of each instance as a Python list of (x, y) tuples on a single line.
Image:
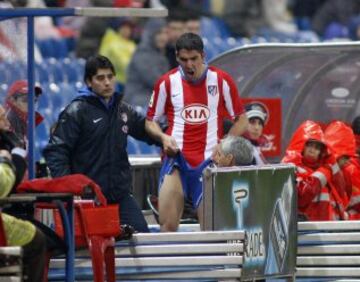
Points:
[(227, 97), (213, 104), (160, 105), (177, 100)]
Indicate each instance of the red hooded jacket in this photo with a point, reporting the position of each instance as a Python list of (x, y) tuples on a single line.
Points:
[(317, 197), (341, 139)]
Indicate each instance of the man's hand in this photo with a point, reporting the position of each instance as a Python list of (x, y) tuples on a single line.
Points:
[(5, 154), (10, 140), (169, 145)]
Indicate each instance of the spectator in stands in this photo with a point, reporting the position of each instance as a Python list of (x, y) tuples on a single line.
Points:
[(334, 12), (17, 107), (192, 23), (257, 116), (305, 9), (354, 28), (91, 138), (13, 36), (318, 198), (147, 64), (356, 129), (92, 31), (19, 232), (278, 17), (243, 17), (191, 100), (176, 27), (118, 46)]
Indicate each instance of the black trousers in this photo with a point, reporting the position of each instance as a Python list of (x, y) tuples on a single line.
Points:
[(34, 258), (131, 214)]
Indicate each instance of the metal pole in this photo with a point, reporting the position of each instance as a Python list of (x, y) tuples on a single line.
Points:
[(31, 108)]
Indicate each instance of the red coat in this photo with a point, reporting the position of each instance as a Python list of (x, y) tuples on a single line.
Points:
[(317, 197), (343, 143)]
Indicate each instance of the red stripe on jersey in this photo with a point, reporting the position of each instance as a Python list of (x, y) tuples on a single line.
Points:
[(194, 139)]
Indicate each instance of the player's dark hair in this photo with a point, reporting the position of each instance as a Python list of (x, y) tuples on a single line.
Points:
[(189, 41), (94, 63)]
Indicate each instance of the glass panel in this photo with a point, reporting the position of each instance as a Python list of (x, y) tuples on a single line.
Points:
[(319, 82)]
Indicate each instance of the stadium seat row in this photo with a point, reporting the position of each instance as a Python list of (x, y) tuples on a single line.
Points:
[(68, 70)]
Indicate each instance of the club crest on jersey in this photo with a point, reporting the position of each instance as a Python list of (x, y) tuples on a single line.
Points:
[(212, 90), (195, 114)]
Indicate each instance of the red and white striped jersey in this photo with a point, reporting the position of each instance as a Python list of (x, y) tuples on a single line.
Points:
[(195, 111)]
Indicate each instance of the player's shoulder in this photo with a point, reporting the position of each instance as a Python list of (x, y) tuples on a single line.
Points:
[(220, 72), (169, 73)]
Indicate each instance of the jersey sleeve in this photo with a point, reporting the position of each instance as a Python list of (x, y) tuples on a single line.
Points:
[(233, 103), (157, 101)]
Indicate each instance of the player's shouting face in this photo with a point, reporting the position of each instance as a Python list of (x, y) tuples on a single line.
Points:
[(192, 63)]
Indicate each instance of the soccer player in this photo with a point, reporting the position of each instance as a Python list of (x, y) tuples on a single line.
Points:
[(194, 97)]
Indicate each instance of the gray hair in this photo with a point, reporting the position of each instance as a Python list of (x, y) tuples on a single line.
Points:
[(239, 147)]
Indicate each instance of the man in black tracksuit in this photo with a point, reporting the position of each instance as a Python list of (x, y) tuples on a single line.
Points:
[(91, 138)]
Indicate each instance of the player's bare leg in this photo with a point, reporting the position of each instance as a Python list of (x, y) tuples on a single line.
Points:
[(171, 202)]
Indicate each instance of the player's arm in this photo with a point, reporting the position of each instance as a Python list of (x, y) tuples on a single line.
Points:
[(168, 142), (240, 125), (156, 110), (234, 106)]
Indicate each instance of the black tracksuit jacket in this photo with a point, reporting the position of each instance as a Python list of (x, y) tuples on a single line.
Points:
[(91, 139)]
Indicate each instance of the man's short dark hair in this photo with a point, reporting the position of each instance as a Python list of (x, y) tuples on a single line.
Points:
[(189, 41), (97, 62)]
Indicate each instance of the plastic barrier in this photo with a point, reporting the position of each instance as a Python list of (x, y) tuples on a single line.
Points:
[(179, 255), (10, 264), (328, 250)]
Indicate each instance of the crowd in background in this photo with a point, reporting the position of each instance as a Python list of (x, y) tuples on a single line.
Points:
[(130, 42)]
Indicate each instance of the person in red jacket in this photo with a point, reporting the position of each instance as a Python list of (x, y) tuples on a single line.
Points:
[(341, 139), (317, 197)]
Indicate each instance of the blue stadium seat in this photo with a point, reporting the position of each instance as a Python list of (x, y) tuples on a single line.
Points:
[(241, 41), (61, 47), (53, 48), (232, 42), (213, 27), (42, 134), (15, 70), (43, 101), (133, 146), (42, 73), (71, 70), (145, 149), (3, 91), (46, 48), (220, 44), (54, 69), (210, 50), (68, 91)]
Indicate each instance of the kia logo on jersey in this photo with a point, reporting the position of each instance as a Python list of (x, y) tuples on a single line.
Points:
[(195, 114)]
